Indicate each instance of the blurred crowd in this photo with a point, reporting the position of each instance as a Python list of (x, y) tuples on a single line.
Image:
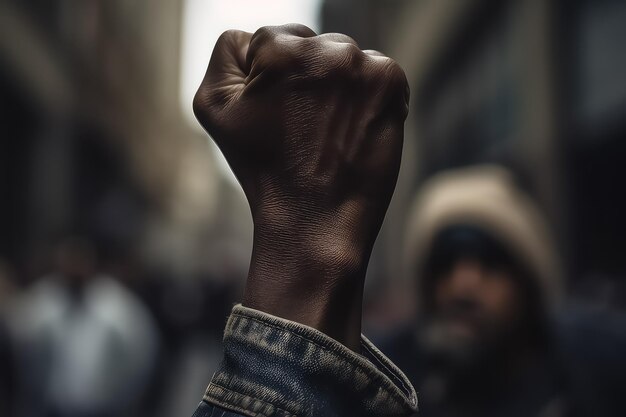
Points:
[(80, 342), (498, 283)]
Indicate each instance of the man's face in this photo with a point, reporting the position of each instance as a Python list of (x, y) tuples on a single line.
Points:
[(474, 309)]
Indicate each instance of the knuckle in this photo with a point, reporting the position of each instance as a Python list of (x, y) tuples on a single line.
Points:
[(398, 88), (263, 35), (293, 49), (260, 40), (345, 61), (264, 31), (338, 38), (388, 73), (296, 29), (373, 52), (279, 51), (387, 81), (395, 73), (285, 56), (354, 55)]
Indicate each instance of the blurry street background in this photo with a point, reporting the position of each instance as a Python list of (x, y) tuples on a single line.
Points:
[(125, 239)]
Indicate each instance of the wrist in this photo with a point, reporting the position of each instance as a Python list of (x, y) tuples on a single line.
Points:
[(310, 275)]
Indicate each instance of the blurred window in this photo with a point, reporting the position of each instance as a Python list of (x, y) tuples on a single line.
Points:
[(599, 61), (469, 103)]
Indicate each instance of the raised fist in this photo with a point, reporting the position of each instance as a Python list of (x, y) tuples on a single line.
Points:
[(312, 127)]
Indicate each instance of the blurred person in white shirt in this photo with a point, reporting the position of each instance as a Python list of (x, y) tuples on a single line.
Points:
[(87, 345)]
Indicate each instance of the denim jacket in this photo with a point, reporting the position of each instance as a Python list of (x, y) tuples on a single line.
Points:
[(276, 367)]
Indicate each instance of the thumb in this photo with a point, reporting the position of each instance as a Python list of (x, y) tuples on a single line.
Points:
[(228, 60), (225, 74)]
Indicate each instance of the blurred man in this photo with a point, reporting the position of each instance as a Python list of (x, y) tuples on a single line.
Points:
[(86, 344), (488, 279)]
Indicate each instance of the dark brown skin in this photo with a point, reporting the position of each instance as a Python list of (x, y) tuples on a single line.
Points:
[(312, 127)]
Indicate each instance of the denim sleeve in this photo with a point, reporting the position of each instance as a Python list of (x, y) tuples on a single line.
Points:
[(276, 367)]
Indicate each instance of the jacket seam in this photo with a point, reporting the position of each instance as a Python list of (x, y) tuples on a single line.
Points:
[(287, 413), (228, 407), (391, 372)]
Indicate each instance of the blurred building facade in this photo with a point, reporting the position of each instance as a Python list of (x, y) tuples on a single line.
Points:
[(538, 86), (94, 142)]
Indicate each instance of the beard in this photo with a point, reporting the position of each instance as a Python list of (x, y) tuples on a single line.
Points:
[(460, 346), (446, 347)]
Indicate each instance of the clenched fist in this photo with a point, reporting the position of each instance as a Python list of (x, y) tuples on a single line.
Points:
[(312, 127)]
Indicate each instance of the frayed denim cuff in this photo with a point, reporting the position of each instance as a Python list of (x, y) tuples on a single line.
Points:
[(276, 367)]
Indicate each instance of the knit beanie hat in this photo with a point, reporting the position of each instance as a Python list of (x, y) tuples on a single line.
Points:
[(486, 198)]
